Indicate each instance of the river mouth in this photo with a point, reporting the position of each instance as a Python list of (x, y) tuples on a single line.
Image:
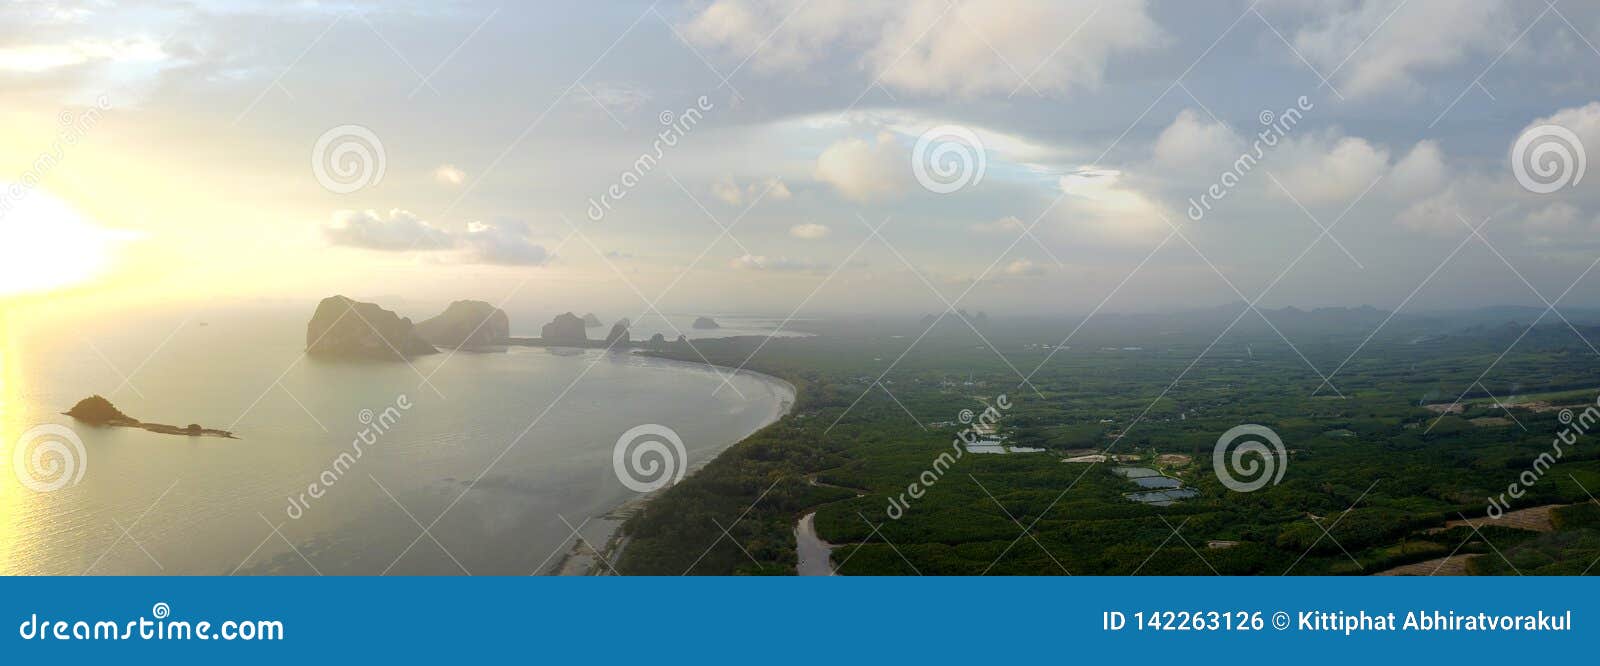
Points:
[(815, 555)]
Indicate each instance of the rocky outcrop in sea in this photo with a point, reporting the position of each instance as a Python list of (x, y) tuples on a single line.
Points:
[(565, 329), (345, 328), (467, 325)]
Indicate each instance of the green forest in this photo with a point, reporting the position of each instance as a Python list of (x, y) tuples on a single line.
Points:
[(1385, 463)]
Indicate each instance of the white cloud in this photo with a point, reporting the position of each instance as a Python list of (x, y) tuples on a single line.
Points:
[(862, 170), (809, 231), (915, 46), (727, 191), (1583, 121), (1388, 45), (777, 190), (1024, 268), (502, 243), (1190, 142), (449, 174), (1328, 170), (399, 231), (1422, 171), (1555, 218), (1098, 202), (615, 97), (37, 58), (764, 263), (1441, 213), (1009, 223)]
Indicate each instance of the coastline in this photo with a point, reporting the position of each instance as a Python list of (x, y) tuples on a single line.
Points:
[(582, 560)]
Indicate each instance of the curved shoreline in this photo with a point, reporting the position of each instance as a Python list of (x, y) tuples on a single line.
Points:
[(582, 560)]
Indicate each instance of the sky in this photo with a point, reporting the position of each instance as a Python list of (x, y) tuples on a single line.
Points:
[(814, 157)]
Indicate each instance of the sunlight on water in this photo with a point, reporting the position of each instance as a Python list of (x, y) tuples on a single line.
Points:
[(12, 494)]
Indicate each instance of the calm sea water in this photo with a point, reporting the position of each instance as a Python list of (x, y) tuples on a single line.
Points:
[(499, 449)]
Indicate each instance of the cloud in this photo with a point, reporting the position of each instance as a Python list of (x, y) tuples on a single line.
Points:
[(1190, 142), (1332, 170), (1422, 171), (777, 190), (1441, 213), (1379, 46), (398, 232), (925, 47), (727, 191), (862, 170), (615, 97), (39, 58), (501, 243), (1009, 223), (809, 231), (1553, 219), (1024, 268), (449, 174), (1583, 121), (1099, 202), (764, 263)]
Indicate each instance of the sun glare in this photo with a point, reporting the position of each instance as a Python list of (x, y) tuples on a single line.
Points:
[(46, 245)]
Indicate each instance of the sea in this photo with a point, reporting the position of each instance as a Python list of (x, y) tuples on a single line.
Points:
[(470, 463)]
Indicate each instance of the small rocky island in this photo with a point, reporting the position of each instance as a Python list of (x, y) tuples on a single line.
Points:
[(469, 325), (98, 411), (706, 323), (345, 328), (619, 334), (565, 329)]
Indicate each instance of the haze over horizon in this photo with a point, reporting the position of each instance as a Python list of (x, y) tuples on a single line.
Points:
[(825, 157)]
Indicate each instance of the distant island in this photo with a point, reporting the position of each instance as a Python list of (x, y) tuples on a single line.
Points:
[(344, 328), (619, 334), (565, 329), (96, 410), (473, 325)]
